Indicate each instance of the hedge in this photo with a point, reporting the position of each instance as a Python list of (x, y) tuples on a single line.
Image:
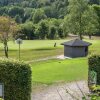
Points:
[(16, 77), (94, 65)]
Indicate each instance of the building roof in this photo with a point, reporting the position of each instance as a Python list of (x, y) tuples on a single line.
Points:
[(76, 42)]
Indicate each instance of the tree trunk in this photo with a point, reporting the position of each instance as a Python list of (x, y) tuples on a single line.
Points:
[(6, 49), (90, 37), (80, 36)]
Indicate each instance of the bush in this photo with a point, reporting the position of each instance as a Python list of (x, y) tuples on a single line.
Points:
[(94, 65), (16, 77)]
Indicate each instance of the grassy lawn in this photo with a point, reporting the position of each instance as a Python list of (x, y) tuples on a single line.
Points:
[(51, 71), (32, 50), (60, 71), (36, 49), (63, 70)]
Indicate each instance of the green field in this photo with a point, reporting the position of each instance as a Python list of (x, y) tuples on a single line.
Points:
[(36, 49), (52, 71), (32, 50)]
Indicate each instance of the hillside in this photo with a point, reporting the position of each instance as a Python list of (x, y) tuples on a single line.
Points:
[(43, 19)]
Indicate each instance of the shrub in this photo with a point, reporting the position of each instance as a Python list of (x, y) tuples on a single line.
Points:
[(94, 65), (16, 77)]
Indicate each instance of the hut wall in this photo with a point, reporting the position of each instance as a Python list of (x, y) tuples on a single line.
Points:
[(67, 51), (79, 52)]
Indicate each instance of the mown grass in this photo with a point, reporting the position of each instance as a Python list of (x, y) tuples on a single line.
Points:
[(53, 71), (32, 50), (37, 49)]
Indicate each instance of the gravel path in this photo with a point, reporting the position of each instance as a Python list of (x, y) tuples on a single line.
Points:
[(49, 58), (58, 92)]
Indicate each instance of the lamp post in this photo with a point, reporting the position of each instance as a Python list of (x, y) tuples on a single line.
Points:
[(19, 42)]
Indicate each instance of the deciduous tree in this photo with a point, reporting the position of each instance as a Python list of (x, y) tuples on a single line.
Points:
[(74, 21), (7, 28)]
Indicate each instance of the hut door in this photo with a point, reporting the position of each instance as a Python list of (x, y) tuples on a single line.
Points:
[(86, 51)]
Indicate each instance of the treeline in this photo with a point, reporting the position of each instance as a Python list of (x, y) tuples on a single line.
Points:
[(42, 19), (52, 8), (45, 29)]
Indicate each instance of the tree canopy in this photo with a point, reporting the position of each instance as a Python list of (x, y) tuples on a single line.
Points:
[(62, 17)]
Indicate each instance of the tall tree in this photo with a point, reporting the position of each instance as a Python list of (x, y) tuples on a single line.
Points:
[(28, 30), (97, 10), (74, 20), (43, 29), (38, 16), (52, 32), (18, 19), (7, 28), (91, 20)]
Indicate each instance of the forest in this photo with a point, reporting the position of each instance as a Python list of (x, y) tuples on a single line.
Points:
[(53, 19)]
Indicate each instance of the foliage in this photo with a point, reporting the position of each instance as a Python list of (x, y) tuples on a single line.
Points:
[(52, 32), (7, 28), (81, 18), (38, 16), (43, 29), (97, 10), (13, 11), (27, 31), (91, 19), (37, 10), (91, 96), (94, 65), (16, 77), (18, 19), (3, 10), (94, 1)]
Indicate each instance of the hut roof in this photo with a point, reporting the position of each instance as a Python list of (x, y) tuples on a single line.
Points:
[(76, 42)]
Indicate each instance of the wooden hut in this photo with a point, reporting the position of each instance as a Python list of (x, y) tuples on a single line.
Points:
[(76, 48)]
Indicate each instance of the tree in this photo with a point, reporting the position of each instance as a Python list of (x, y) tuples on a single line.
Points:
[(60, 32), (7, 28), (18, 19), (27, 30), (33, 4), (28, 14), (94, 1), (97, 10), (3, 10), (74, 20), (13, 11), (43, 29), (52, 32), (51, 12), (38, 16), (91, 20)]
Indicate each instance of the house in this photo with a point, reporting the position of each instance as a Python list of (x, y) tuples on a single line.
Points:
[(76, 48)]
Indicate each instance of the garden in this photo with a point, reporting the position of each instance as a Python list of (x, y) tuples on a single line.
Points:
[(54, 70), (50, 50)]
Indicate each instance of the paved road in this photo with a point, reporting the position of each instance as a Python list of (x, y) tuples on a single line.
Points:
[(59, 92)]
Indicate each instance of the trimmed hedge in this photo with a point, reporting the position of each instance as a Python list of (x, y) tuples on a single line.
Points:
[(16, 77), (94, 65)]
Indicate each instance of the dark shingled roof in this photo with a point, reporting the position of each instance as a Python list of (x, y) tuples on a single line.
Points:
[(76, 42)]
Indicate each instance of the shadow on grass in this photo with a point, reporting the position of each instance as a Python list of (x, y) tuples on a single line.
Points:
[(42, 49)]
